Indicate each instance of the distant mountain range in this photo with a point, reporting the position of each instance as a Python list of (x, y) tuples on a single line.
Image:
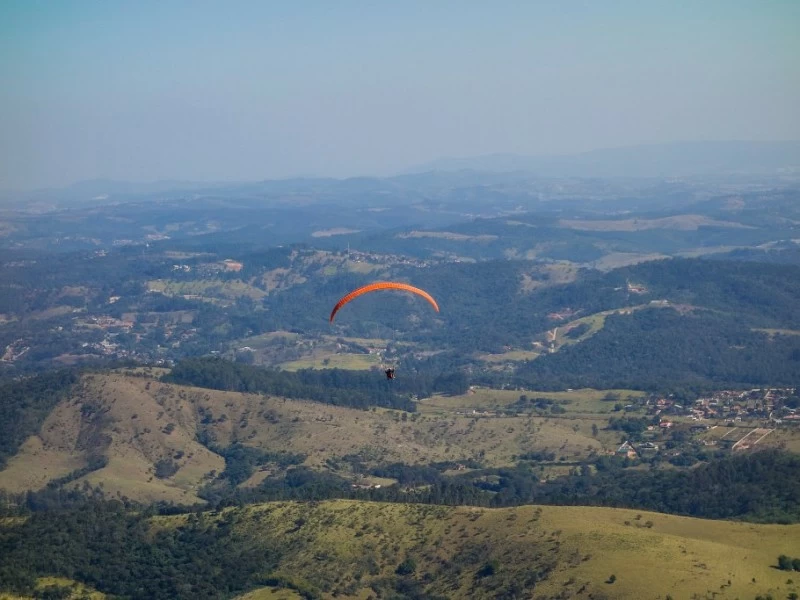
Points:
[(678, 159)]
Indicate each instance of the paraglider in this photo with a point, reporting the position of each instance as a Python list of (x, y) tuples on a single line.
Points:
[(386, 285)]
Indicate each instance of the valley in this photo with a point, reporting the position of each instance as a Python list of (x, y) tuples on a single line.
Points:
[(606, 405)]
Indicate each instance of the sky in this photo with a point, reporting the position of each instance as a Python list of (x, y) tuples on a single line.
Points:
[(252, 90)]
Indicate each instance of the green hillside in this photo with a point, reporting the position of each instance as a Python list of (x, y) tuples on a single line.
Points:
[(350, 549)]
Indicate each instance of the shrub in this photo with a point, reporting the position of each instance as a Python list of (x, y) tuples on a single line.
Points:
[(407, 567)]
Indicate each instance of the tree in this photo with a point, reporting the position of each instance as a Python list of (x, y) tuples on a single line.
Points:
[(489, 569), (785, 563), (407, 567), (611, 579)]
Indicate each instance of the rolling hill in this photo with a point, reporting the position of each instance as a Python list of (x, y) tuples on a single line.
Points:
[(350, 549), (115, 430)]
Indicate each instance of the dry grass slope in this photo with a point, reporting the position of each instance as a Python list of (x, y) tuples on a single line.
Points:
[(135, 422)]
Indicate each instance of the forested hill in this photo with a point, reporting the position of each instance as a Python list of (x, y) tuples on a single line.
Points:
[(694, 322), (760, 294), (726, 324), (663, 350), (489, 303)]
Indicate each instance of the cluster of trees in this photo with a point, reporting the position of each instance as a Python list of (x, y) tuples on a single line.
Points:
[(105, 546), (540, 406), (240, 463), (787, 563), (632, 426), (360, 389), (95, 463)]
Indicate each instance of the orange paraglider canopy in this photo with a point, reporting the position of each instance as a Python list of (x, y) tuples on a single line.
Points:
[(385, 285)]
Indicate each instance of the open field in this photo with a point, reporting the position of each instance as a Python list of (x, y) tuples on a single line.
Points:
[(206, 289), (786, 437), (350, 547), (376, 342), (329, 360), (333, 231), (359, 266), (558, 338), (291, 352), (706, 250), (255, 340), (752, 438), (510, 356), (575, 402), (615, 260), (546, 275), (730, 434), (447, 235)]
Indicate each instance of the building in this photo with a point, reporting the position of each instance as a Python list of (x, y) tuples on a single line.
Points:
[(626, 449)]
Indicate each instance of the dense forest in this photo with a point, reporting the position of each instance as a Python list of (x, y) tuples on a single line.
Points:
[(116, 551)]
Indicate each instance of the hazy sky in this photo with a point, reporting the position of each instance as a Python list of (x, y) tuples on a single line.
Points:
[(140, 90)]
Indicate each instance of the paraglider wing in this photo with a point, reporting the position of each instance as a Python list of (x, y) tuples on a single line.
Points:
[(386, 285)]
